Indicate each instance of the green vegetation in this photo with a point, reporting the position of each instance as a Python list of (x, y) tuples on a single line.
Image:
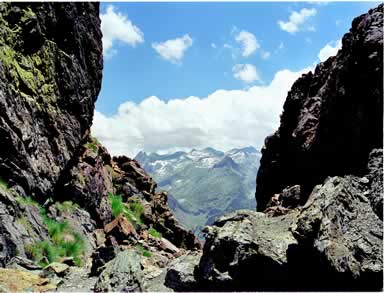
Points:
[(25, 223), (63, 242), (28, 200), (143, 250), (93, 144), (3, 184), (133, 210), (154, 233), (66, 206)]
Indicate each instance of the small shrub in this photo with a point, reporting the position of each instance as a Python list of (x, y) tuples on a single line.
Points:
[(154, 233), (143, 250)]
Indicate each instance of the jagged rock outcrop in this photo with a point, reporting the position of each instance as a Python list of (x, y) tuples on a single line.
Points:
[(245, 251), (334, 242), (332, 118), (49, 82)]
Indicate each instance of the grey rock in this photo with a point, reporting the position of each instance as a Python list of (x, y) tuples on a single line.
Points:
[(20, 225), (334, 242), (340, 226), (180, 274), (246, 250), (77, 280), (55, 269), (375, 175), (23, 264), (122, 274)]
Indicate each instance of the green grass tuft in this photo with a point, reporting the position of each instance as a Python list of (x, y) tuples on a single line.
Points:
[(143, 250), (154, 233), (133, 211), (117, 205), (63, 242)]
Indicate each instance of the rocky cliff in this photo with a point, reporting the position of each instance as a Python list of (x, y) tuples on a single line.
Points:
[(67, 208), (50, 76), (332, 118), (319, 186), (74, 218)]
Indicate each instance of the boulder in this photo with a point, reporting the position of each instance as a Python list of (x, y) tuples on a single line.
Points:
[(180, 275), (121, 229), (104, 254), (247, 250), (122, 274)]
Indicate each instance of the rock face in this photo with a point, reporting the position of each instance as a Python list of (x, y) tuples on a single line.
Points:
[(334, 242), (57, 183), (49, 82), (332, 118), (341, 229), (319, 187)]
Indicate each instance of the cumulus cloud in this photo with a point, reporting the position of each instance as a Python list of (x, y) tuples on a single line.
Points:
[(330, 49), (297, 20), (245, 72), (116, 27), (224, 119), (248, 42), (173, 50)]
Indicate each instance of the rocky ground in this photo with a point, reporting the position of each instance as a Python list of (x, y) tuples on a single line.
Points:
[(73, 218)]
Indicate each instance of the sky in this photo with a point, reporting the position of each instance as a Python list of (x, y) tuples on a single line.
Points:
[(179, 76)]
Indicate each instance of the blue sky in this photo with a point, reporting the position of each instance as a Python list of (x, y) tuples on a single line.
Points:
[(215, 37)]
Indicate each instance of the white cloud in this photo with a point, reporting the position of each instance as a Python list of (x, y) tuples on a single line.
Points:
[(224, 119), (245, 72), (213, 45), (117, 28), (173, 50), (330, 49), (248, 41), (297, 20), (265, 55)]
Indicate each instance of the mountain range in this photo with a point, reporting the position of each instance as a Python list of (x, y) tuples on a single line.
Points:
[(203, 184)]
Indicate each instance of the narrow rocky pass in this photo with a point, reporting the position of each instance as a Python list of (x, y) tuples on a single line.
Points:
[(75, 218)]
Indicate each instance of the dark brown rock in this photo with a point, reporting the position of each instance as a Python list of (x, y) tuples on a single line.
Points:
[(50, 76), (332, 118), (88, 180), (121, 229)]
